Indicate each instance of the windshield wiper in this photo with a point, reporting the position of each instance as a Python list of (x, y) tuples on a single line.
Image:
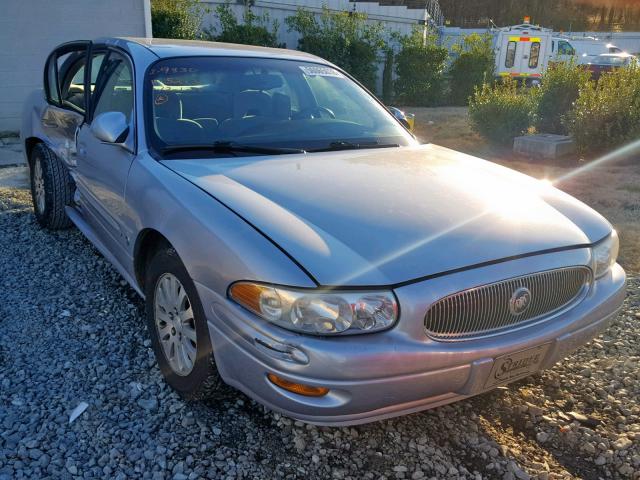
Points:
[(231, 147), (341, 145)]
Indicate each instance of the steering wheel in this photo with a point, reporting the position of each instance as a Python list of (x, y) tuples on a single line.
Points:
[(315, 112)]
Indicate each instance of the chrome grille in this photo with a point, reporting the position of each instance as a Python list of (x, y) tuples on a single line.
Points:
[(489, 309)]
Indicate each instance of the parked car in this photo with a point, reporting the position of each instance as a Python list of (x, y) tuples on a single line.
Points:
[(608, 62), (290, 237)]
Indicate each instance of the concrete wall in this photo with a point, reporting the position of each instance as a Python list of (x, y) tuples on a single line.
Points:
[(394, 18), (30, 29)]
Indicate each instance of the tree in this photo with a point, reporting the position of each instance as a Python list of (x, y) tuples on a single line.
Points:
[(420, 69), (254, 29), (474, 65), (176, 18), (344, 38)]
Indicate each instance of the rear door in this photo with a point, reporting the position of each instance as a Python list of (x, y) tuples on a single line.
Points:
[(522, 57), (64, 86)]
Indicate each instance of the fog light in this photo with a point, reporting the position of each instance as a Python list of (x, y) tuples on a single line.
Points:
[(299, 388)]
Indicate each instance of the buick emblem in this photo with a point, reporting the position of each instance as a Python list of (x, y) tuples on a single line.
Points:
[(520, 301)]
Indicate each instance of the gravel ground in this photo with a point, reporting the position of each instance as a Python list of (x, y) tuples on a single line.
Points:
[(72, 332)]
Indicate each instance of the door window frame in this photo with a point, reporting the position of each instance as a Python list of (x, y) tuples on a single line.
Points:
[(52, 62), (100, 79)]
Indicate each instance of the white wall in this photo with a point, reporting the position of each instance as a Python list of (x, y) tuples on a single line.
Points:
[(30, 29), (395, 18)]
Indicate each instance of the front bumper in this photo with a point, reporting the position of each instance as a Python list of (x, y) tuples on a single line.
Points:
[(399, 371)]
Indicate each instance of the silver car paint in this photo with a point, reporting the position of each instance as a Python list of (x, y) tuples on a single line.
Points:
[(247, 219), (431, 209)]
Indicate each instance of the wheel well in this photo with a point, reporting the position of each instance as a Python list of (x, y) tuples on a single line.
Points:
[(29, 144), (149, 241)]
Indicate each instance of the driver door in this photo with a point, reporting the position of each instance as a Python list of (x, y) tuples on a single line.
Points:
[(103, 167)]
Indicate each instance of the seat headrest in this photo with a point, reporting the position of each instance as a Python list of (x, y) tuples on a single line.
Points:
[(281, 106), (262, 81), (251, 103)]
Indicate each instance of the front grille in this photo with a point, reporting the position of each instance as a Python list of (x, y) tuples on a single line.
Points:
[(502, 306)]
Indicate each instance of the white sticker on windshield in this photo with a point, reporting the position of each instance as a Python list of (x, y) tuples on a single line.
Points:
[(320, 71)]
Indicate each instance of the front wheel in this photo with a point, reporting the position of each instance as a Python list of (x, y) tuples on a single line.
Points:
[(51, 188), (178, 327)]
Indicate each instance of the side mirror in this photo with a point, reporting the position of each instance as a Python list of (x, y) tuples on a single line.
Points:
[(110, 127), (406, 119)]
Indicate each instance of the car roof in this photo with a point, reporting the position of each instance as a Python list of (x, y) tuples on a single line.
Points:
[(164, 48)]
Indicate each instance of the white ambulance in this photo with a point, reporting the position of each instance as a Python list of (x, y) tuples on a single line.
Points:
[(523, 52)]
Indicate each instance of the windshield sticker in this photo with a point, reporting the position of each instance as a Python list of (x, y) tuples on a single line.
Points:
[(319, 71), (166, 70), (160, 99)]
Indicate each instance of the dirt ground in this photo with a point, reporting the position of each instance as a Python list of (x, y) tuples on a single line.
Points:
[(611, 187)]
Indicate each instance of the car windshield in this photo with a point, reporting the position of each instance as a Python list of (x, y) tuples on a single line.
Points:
[(270, 103)]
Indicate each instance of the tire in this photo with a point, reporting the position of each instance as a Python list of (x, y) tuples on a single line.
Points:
[(51, 188), (203, 379)]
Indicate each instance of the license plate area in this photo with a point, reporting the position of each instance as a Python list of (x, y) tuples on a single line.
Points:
[(513, 366)]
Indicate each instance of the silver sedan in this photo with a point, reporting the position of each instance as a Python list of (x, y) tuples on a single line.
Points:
[(291, 238)]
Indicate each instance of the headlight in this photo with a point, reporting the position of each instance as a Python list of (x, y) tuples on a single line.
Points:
[(327, 312), (605, 254)]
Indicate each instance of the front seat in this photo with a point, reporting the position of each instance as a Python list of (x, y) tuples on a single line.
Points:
[(170, 127), (250, 108)]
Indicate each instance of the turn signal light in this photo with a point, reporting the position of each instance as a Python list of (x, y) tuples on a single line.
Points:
[(299, 388)]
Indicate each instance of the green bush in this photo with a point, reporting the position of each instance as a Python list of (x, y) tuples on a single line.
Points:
[(254, 29), (176, 18), (343, 38), (607, 114), (560, 87), (502, 111), (473, 66), (420, 70)]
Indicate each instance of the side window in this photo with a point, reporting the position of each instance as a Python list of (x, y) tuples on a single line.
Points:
[(510, 60), (565, 48), (534, 55), (71, 79), (114, 87)]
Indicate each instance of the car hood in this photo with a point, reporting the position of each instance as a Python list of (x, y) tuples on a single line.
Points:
[(387, 216)]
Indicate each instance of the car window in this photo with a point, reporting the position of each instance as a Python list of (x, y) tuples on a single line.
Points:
[(565, 48), (343, 106), (70, 75), (71, 79), (259, 101), (510, 60), (114, 88), (534, 55)]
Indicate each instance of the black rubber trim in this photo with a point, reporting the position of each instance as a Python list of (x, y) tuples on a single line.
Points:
[(470, 267)]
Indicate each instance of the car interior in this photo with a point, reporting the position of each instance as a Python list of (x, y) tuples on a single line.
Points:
[(196, 113)]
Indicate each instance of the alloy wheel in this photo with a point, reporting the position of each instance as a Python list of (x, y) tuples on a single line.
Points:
[(175, 324)]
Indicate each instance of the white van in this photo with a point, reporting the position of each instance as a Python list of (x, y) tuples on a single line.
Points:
[(523, 52)]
